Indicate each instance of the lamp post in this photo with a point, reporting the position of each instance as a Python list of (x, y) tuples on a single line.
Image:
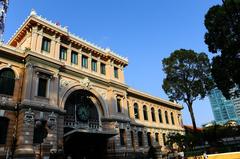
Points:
[(41, 130), (40, 133), (3, 11)]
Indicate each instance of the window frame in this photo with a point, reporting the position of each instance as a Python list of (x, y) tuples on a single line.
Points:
[(153, 114), (7, 81), (157, 137), (136, 110), (94, 65), (119, 104), (149, 139), (132, 138), (122, 137), (74, 57), (84, 62), (164, 139), (116, 72), (172, 118), (166, 117), (140, 138), (44, 77), (145, 113), (103, 68), (4, 131), (63, 55), (160, 115), (46, 45)]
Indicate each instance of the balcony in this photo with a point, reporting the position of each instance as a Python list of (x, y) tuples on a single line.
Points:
[(88, 125)]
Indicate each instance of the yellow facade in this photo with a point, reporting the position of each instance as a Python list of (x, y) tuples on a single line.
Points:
[(53, 68)]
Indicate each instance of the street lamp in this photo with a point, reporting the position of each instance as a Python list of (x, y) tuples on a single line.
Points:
[(3, 11)]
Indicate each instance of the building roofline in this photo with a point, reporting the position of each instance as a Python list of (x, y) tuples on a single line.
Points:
[(64, 30), (11, 49), (154, 98)]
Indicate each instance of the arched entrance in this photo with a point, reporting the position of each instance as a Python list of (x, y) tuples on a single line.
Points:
[(83, 134)]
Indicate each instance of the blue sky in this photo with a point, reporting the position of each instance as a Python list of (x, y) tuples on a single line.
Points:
[(145, 31)]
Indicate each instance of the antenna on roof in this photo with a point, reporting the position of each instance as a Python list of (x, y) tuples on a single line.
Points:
[(3, 11)]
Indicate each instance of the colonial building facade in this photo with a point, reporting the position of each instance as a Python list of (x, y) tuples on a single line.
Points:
[(60, 93)]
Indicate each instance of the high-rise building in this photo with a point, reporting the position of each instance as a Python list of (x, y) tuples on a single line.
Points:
[(223, 109)]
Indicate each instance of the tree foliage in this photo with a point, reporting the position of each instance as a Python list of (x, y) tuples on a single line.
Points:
[(223, 35), (175, 138), (187, 77), (216, 134)]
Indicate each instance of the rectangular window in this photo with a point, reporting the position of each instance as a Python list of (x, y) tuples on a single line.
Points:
[(42, 87), (156, 137), (63, 53), (74, 57), (164, 139), (4, 122), (115, 72), (84, 61), (122, 137), (103, 69), (94, 65), (119, 106), (140, 138), (149, 139), (132, 139), (46, 43)]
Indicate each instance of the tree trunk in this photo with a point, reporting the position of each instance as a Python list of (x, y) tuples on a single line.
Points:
[(192, 116)]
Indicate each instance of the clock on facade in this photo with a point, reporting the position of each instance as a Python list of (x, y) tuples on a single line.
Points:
[(83, 113)]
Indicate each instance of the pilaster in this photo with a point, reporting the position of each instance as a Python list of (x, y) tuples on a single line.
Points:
[(25, 133), (39, 41), (57, 47), (34, 38), (69, 56)]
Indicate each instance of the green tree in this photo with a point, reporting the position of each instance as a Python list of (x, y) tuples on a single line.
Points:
[(187, 77), (223, 35), (175, 138)]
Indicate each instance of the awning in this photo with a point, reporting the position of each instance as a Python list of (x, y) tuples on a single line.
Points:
[(95, 132)]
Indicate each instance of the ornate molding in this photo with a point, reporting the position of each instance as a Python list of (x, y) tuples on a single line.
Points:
[(52, 121), (29, 64), (64, 83), (86, 84), (29, 117)]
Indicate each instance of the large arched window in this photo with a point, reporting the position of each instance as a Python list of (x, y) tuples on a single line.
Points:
[(145, 115), (7, 81), (136, 111), (160, 115), (80, 108), (172, 118), (153, 114), (166, 117)]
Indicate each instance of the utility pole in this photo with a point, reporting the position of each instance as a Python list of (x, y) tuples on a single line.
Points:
[(3, 11)]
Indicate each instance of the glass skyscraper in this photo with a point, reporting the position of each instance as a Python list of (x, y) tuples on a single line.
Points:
[(223, 109)]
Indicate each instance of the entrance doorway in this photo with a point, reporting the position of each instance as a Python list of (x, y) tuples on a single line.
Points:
[(82, 145), (84, 137)]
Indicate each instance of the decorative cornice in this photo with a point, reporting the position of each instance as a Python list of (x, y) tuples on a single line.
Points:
[(106, 51), (153, 98)]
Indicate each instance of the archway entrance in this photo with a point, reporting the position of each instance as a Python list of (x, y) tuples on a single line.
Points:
[(83, 134), (82, 145)]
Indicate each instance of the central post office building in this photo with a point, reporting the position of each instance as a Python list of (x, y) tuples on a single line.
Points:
[(60, 94)]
